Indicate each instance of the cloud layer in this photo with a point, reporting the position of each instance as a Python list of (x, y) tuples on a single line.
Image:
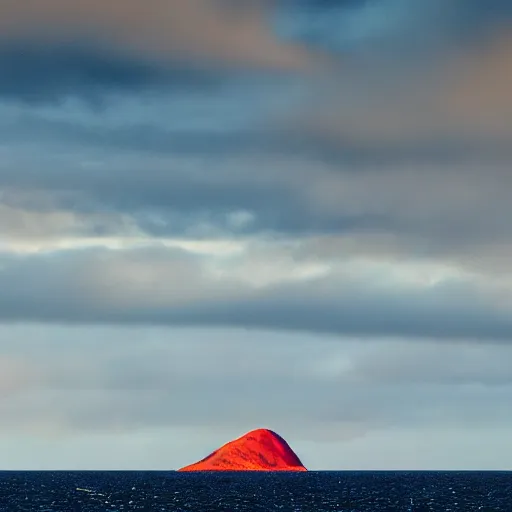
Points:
[(332, 176)]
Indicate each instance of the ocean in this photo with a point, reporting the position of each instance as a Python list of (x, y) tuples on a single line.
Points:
[(229, 492)]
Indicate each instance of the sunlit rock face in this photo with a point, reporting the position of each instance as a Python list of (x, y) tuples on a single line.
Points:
[(258, 450)]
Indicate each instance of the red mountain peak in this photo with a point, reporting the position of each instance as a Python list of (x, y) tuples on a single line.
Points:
[(258, 450)]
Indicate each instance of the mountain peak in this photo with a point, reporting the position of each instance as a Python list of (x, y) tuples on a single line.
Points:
[(258, 450)]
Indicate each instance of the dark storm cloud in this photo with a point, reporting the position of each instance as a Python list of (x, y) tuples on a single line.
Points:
[(49, 51), (36, 72)]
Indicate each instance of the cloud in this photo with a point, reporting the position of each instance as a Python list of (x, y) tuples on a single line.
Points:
[(97, 52), (26, 230), (407, 29), (35, 72), (16, 375), (198, 29), (479, 93), (403, 363), (450, 105), (359, 160), (170, 286), (457, 211)]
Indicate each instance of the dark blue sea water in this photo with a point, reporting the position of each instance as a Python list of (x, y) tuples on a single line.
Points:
[(230, 492)]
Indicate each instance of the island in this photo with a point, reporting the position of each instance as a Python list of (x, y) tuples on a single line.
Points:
[(258, 450)]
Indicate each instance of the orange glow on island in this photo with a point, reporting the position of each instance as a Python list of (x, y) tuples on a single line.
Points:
[(258, 450)]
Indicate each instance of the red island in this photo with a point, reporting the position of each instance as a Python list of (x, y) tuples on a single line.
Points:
[(258, 450)]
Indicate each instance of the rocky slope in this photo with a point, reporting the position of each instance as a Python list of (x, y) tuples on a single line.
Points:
[(258, 450)]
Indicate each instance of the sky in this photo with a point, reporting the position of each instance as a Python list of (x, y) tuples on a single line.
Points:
[(222, 215)]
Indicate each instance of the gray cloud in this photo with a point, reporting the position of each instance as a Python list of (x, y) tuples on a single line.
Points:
[(454, 211), (164, 378), (199, 29), (422, 81), (50, 53), (328, 176), (384, 25), (364, 162), (172, 287), (36, 73)]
